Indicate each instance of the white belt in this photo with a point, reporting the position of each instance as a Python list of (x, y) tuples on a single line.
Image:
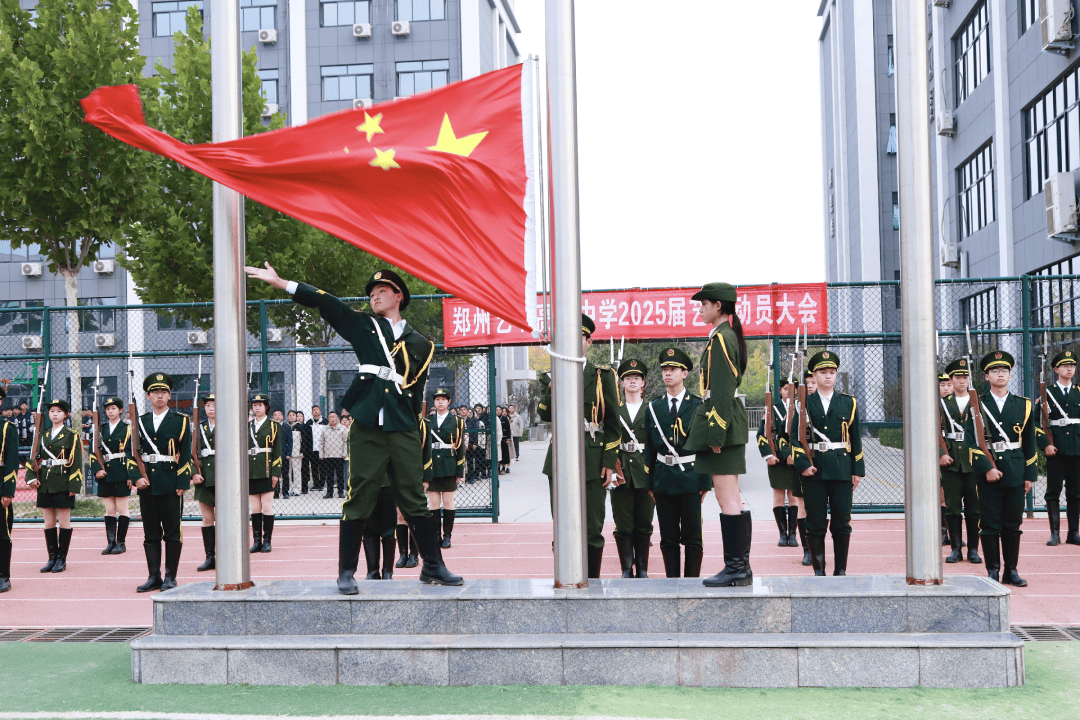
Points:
[(52, 463), (206, 452), (442, 446), (1002, 446), (109, 457), (957, 436), (382, 372), (158, 458), (592, 427), (827, 446), (634, 447), (1065, 421), (257, 451), (675, 459)]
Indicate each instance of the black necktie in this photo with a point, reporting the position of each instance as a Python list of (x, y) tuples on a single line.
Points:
[(674, 408)]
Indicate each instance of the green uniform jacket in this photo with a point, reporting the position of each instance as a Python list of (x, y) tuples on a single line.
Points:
[(118, 441), (1066, 437), (601, 412), (173, 437), (262, 465), (1016, 420), (425, 454), (840, 424), (9, 454), (958, 450), (780, 440), (447, 461), (664, 478), (369, 393), (721, 418), (66, 446), (635, 470), (204, 436)]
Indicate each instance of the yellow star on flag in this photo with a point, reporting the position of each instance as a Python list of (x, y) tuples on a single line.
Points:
[(370, 125), (384, 159), (449, 143)]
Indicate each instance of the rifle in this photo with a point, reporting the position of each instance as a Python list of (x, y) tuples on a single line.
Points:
[(195, 424), (36, 447), (794, 388), (133, 418), (769, 404), (1044, 393), (96, 421), (804, 416), (976, 409), (941, 420)]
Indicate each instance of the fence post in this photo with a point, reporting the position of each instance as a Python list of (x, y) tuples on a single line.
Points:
[(1029, 388), (491, 436), (46, 349), (778, 365), (264, 328)]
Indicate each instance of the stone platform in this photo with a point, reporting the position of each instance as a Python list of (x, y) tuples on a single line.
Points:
[(869, 631)]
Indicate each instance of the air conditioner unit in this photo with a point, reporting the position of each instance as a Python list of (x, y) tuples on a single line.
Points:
[(31, 269), (1061, 215), (196, 337), (946, 124), (105, 340), (942, 3), (361, 30), (401, 27), (269, 109), (268, 35), (275, 335), (31, 342), (362, 103), (104, 267), (1056, 20), (950, 255)]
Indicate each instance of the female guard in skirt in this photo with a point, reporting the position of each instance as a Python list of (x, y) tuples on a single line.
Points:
[(57, 480), (113, 482), (446, 433), (264, 472), (203, 437), (720, 430)]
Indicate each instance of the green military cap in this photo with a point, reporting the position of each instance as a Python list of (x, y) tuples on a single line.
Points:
[(158, 381), (442, 392), (62, 404), (391, 279), (996, 359), (632, 367), (718, 291), (261, 398), (544, 378), (943, 377), (824, 360), (783, 383), (114, 401), (588, 327), (807, 375), (1065, 357), (208, 398), (674, 357), (958, 367)]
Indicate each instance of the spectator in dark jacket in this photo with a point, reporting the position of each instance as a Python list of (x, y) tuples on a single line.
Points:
[(286, 452), (306, 451)]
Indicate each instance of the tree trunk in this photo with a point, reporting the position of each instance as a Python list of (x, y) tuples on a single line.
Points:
[(71, 293)]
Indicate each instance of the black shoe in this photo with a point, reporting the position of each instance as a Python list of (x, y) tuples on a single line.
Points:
[(595, 556), (350, 534), (944, 529), (1053, 514), (371, 556), (434, 571), (954, 535), (388, 558), (209, 540), (841, 543), (1010, 554), (172, 564), (780, 513), (817, 554), (736, 543), (973, 540), (122, 524), (110, 535), (256, 532), (672, 561), (626, 555), (792, 524), (51, 544), (641, 557), (153, 564), (62, 550), (268, 531), (402, 545), (993, 555), (1073, 515), (445, 544), (692, 557), (341, 495), (807, 561)]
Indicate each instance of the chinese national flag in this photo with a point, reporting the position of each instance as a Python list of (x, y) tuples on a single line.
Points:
[(440, 184)]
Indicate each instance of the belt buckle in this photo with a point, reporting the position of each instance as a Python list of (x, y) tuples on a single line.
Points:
[(384, 373), (959, 436), (669, 460)]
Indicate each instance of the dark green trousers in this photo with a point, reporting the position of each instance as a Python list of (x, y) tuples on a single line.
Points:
[(960, 487), (161, 517), (633, 511), (1001, 508), (679, 517), (594, 510), (375, 455), (825, 499)]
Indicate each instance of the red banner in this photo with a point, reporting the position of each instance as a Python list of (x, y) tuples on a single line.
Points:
[(764, 310)]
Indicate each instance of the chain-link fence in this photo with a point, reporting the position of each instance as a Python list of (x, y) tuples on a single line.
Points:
[(116, 347)]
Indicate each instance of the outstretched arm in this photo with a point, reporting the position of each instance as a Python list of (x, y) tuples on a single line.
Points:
[(340, 316), (268, 275)]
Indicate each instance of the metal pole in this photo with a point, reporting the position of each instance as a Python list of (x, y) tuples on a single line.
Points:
[(494, 462), (568, 450), (917, 326), (230, 319)]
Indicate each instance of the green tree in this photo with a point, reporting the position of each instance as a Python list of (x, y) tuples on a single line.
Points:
[(64, 185)]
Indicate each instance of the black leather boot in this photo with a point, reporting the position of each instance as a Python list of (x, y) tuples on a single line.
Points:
[(840, 543), (172, 564), (437, 515), (792, 523), (944, 530), (596, 559), (447, 526), (672, 564), (371, 555), (209, 541), (780, 513), (993, 556), (641, 557), (110, 535), (748, 530), (5, 561), (1073, 515), (626, 555), (122, 524), (388, 558), (402, 535), (736, 572), (1053, 514), (817, 553), (806, 560), (350, 534), (954, 537), (256, 532), (692, 562), (973, 540), (1010, 554), (414, 550), (50, 544), (62, 550), (434, 571), (153, 564), (268, 532)]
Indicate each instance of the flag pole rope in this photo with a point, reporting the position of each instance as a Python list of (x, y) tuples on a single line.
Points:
[(567, 358)]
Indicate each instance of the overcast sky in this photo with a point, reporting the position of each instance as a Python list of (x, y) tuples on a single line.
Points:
[(699, 140)]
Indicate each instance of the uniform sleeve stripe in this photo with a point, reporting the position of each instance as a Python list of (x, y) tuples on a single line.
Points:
[(727, 356)]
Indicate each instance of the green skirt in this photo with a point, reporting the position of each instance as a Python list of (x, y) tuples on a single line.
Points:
[(106, 489), (260, 486), (60, 500), (204, 494), (443, 484), (783, 477), (731, 461)]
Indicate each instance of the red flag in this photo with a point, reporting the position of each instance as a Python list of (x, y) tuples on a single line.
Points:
[(440, 184)]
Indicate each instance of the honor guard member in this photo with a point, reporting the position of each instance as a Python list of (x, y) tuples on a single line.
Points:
[(203, 437), (631, 504), (114, 480), (385, 401), (957, 473), (446, 433), (1010, 438), (673, 482), (832, 474), (264, 472), (9, 457), (783, 479), (165, 442), (602, 438), (944, 390), (1061, 443), (789, 460), (57, 480)]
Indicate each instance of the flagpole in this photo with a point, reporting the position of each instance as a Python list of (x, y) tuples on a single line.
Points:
[(568, 451), (230, 322)]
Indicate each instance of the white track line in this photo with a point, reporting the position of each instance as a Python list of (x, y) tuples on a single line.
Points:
[(209, 716)]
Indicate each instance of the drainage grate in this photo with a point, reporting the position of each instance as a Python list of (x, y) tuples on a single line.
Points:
[(17, 635), (105, 634), (1029, 633)]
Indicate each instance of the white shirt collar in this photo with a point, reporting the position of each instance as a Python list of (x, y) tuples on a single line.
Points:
[(1064, 388), (1000, 401), (112, 426), (440, 417), (632, 409), (258, 423), (55, 432), (158, 418), (963, 402), (398, 328)]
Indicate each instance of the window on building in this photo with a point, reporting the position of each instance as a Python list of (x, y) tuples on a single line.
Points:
[(1052, 132), (347, 82), (345, 13), (414, 10), (258, 15), (171, 17), (892, 62), (418, 77), (1029, 14), (21, 323), (975, 185), (890, 146), (98, 320), (168, 321), (971, 47), (1055, 301), (269, 79), (896, 211)]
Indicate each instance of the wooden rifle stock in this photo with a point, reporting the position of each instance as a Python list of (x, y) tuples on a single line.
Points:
[(980, 428), (195, 434), (941, 435), (804, 423), (37, 440), (133, 418), (768, 422), (1044, 400), (97, 438)]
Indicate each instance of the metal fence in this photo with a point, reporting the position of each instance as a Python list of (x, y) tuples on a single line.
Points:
[(121, 344)]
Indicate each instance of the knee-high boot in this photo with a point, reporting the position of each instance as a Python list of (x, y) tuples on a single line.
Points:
[(5, 561), (1072, 511), (1053, 514), (954, 538), (434, 571), (944, 529), (268, 532), (841, 543), (626, 555), (993, 556), (402, 535), (973, 540), (780, 513), (596, 559), (672, 564), (372, 545), (122, 524), (172, 564), (256, 532), (817, 553), (641, 557), (806, 559), (692, 557), (153, 565), (110, 535), (209, 541), (1010, 554), (350, 534), (736, 572), (388, 558), (51, 543), (448, 526), (792, 523), (63, 544)]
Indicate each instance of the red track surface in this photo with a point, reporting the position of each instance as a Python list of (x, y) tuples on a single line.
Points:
[(99, 590)]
